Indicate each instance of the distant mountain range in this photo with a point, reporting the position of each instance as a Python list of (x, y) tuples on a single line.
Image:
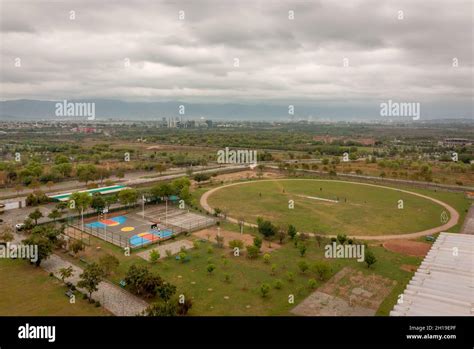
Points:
[(25, 110)]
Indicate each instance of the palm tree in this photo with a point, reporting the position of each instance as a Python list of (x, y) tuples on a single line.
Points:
[(66, 273)]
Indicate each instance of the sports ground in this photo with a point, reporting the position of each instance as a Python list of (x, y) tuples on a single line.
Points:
[(139, 228), (332, 207)]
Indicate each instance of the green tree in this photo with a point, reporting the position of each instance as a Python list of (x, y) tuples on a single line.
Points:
[(45, 246), (98, 203), (128, 196), (266, 228), (90, 278), (65, 273), (166, 291), (141, 281), (81, 201), (109, 264), (77, 246), (370, 258), (55, 214), (291, 231), (35, 215), (86, 173)]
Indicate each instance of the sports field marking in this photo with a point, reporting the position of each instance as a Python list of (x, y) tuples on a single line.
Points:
[(127, 229), (316, 198)]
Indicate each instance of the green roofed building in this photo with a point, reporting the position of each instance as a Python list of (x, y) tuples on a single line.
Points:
[(103, 191)]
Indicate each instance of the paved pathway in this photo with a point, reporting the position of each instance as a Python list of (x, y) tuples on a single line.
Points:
[(116, 300), (468, 226), (454, 215), (119, 302)]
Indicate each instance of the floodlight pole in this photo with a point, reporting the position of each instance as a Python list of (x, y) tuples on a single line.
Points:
[(166, 211), (82, 217), (143, 206)]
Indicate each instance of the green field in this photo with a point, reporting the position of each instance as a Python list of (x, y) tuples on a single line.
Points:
[(28, 291), (213, 295), (361, 210)]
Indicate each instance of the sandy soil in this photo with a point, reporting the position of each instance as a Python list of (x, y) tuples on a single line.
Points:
[(210, 234), (408, 247)]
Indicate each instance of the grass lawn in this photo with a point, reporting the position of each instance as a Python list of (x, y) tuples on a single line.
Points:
[(213, 295), (367, 211), (29, 291)]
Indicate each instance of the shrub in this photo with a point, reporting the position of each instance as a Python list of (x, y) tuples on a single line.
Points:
[(278, 284), (312, 283), (210, 268), (236, 243), (266, 258), (322, 270), (303, 266), (210, 250), (252, 251), (257, 242), (182, 257), (290, 276), (302, 248), (154, 256), (264, 289)]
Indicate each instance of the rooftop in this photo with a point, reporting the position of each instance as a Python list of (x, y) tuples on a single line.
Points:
[(443, 285)]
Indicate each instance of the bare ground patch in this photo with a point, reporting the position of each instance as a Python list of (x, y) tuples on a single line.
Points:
[(408, 247), (211, 233), (348, 293)]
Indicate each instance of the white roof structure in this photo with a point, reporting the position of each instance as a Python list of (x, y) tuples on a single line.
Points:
[(443, 285)]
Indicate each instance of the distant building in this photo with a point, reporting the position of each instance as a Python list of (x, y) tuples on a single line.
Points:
[(453, 142)]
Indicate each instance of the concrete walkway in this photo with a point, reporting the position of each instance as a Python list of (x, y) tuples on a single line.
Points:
[(113, 298), (454, 215), (468, 226), (116, 300)]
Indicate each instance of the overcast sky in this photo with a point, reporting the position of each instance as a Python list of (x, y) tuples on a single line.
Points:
[(280, 60)]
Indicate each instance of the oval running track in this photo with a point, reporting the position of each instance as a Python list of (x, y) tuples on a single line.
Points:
[(454, 215)]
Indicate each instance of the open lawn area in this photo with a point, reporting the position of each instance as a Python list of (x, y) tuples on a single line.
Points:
[(328, 207), (233, 288), (29, 291)]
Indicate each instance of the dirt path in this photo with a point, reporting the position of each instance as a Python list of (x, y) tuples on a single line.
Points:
[(454, 215)]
